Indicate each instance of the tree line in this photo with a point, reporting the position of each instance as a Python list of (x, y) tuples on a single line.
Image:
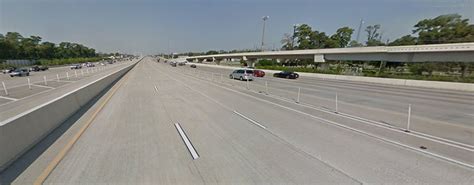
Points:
[(14, 46), (450, 28)]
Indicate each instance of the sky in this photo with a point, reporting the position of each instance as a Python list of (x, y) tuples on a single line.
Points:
[(163, 26)]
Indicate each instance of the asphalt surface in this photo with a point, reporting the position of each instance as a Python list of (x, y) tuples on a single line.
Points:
[(442, 113), (240, 137)]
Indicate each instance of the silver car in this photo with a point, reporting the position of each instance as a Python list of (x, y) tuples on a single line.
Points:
[(242, 74)]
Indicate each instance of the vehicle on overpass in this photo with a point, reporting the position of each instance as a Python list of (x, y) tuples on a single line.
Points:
[(20, 72), (286, 74), (242, 74)]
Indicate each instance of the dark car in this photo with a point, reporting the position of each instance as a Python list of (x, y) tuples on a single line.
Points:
[(286, 74), (193, 65), (20, 72), (258, 73), (39, 68)]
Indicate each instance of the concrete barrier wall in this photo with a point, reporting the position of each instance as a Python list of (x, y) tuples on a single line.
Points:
[(19, 134), (388, 81)]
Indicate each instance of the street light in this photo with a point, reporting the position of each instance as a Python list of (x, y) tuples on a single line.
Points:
[(358, 31), (264, 18)]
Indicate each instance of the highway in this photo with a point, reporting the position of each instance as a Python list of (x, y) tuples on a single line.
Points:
[(165, 125), (444, 113)]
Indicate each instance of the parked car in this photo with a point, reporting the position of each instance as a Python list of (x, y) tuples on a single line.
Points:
[(76, 66), (8, 70), (286, 74), (258, 73), (39, 68), (193, 65), (173, 64), (181, 63), (20, 72), (242, 74)]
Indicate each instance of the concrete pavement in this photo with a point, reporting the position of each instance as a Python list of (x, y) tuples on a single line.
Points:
[(442, 113), (241, 137)]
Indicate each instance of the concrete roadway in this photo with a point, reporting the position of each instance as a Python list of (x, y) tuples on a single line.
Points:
[(443, 113), (239, 139), (18, 89)]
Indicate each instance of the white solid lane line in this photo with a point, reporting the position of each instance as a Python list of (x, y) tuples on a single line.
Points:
[(156, 89), (8, 98), (190, 147), (42, 86), (251, 120)]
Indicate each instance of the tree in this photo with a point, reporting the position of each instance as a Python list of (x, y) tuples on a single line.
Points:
[(318, 40), (46, 50), (405, 40), (355, 44), (287, 42), (212, 52), (342, 36), (450, 28), (373, 35), (303, 35)]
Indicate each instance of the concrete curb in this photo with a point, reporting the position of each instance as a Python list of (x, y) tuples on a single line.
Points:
[(18, 134), (389, 81)]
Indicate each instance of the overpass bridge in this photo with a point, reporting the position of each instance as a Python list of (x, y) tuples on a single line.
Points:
[(458, 52)]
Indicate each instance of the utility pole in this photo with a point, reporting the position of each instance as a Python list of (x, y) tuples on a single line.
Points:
[(264, 18)]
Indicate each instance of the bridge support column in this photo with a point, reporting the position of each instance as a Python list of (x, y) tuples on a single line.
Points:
[(218, 61), (251, 62), (381, 67)]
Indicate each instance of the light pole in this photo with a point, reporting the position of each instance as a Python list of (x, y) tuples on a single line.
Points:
[(358, 31), (264, 18)]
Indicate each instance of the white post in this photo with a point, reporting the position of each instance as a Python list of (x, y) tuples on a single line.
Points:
[(248, 88), (67, 75), (409, 118), (5, 88), (298, 98), (45, 82), (29, 83), (336, 104), (57, 77), (266, 87), (75, 73)]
